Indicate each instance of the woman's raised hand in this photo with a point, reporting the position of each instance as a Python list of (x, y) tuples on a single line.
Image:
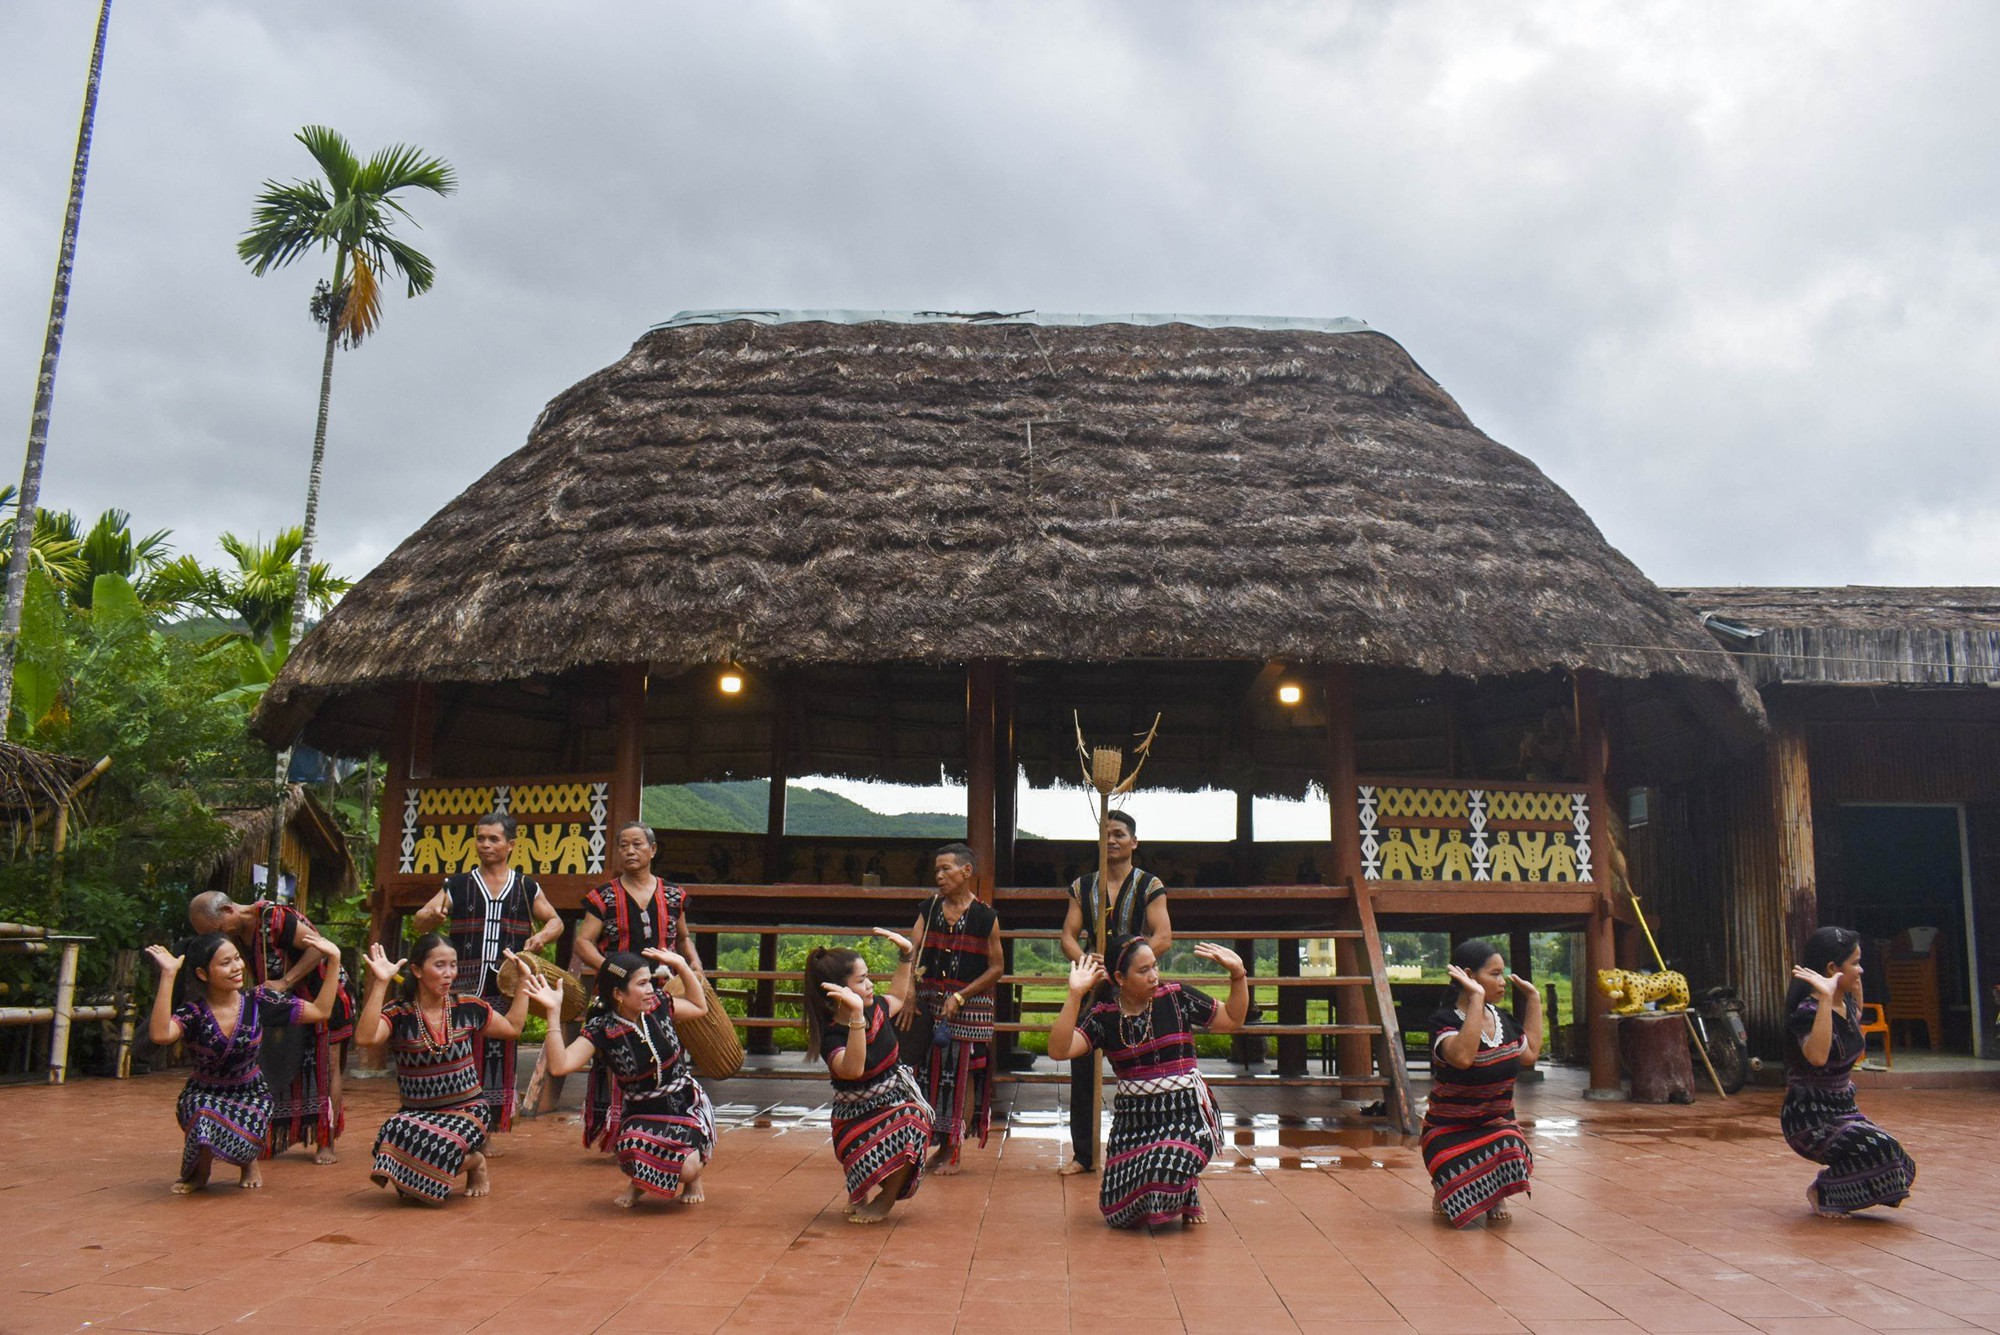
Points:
[(897, 939), (1824, 984), (847, 999), (665, 957), (1231, 962), (1085, 974), (325, 947), (170, 963), (542, 994), (382, 969), (1467, 984), (1526, 986)]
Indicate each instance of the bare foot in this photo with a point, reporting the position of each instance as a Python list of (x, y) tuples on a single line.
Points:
[(1499, 1214), (251, 1177), (325, 1155), (691, 1192), (1071, 1169), (1194, 1216), (627, 1198), (873, 1212), (940, 1163), (493, 1150), (477, 1183), (203, 1164)]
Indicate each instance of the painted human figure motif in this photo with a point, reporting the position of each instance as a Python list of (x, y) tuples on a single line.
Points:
[(1559, 862), (1424, 848), (573, 854), (1454, 858), (1534, 853), (1506, 858), (429, 853), (1396, 863)]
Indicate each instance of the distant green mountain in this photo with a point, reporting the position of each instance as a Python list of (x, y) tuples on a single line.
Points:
[(740, 806)]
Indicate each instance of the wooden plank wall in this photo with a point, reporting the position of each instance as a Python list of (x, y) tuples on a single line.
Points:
[(1711, 862)]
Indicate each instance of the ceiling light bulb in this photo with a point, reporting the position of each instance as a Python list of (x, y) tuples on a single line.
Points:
[(731, 683), (1289, 694)]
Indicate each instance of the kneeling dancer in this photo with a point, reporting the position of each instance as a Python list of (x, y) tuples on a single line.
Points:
[(1864, 1164), (1164, 1127), (881, 1123), (438, 1038), (225, 1107), (661, 1125), (1472, 1145)]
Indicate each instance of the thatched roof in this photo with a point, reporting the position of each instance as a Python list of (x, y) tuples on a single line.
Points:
[(817, 489), (250, 829), (1856, 634), (35, 781)]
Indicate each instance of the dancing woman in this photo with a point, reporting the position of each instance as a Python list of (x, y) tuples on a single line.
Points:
[(637, 912), (881, 1123), (438, 1039), (1471, 1143), (225, 1107), (660, 1122), (1864, 1164), (959, 959), (1164, 1127)]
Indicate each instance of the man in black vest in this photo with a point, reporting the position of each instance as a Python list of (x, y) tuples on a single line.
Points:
[(1138, 908), (485, 912)]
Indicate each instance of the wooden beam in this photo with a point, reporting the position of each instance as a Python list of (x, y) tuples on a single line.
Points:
[(1350, 1004), (629, 767), (1791, 797), (780, 769), (1593, 756), (979, 759)]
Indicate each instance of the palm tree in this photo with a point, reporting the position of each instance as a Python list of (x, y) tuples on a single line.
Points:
[(351, 212), (54, 549), (45, 383), (261, 592)]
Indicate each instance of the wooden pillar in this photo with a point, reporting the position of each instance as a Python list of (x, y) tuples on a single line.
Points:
[(1006, 776), (979, 758), (1291, 1010), (1600, 947), (389, 834), (1520, 960), (1791, 797), (629, 765), (780, 768), (766, 1005), (1247, 1048), (1350, 1003), (1599, 953)]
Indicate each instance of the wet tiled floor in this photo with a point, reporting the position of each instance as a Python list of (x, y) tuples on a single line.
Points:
[(1662, 1219)]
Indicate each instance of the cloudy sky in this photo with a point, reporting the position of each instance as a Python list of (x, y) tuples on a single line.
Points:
[(1729, 273)]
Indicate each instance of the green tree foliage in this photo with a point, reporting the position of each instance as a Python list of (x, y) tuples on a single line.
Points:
[(149, 701)]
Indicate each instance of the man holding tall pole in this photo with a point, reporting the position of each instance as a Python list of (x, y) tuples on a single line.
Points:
[(1136, 907)]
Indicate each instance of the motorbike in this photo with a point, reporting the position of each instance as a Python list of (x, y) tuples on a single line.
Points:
[(1716, 1027)]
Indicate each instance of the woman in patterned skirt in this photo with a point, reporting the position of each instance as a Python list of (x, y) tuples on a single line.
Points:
[(1472, 1145), (1164, 1127), (1864, 1164), (636, 912), (661, 1124), (438, 1038), (881, 1123), (225, 1108)]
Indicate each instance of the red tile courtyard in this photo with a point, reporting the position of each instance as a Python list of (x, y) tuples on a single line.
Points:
[(1659, 1219)]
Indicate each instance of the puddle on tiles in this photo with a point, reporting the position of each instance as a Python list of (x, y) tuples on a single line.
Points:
[(1313, 1143)]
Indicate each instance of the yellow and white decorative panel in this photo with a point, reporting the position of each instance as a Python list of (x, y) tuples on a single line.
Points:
[(1449, 833), (562, 835)]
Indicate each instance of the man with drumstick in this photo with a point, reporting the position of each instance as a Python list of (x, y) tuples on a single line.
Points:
[(486, 913)]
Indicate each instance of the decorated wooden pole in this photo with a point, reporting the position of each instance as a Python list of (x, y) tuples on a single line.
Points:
[(1103, 771)]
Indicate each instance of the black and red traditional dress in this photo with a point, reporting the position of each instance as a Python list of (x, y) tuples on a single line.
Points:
[(880, 1121), (1471, 1143), (1164, 1127), (423, 1148), (660, 1118), (958, 1075), (1864, 1165), (302, 1112), (483, 927), (225, 1107), (628, 925)]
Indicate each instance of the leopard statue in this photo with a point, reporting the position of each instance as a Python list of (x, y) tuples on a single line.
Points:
[(1629, 991)]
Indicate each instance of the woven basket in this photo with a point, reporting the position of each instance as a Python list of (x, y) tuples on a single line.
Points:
[(711, 1039), (574, 997)]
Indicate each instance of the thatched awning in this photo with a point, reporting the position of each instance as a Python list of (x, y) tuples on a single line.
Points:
[(1856, 634), (250, 843), (36, 781), (787, 490)]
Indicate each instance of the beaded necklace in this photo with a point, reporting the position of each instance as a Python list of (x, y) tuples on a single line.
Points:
[(1139, 1034), (436, 1046)]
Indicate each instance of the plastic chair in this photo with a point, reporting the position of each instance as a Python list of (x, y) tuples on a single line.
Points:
[(1873, 1021), (1911, 971)]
